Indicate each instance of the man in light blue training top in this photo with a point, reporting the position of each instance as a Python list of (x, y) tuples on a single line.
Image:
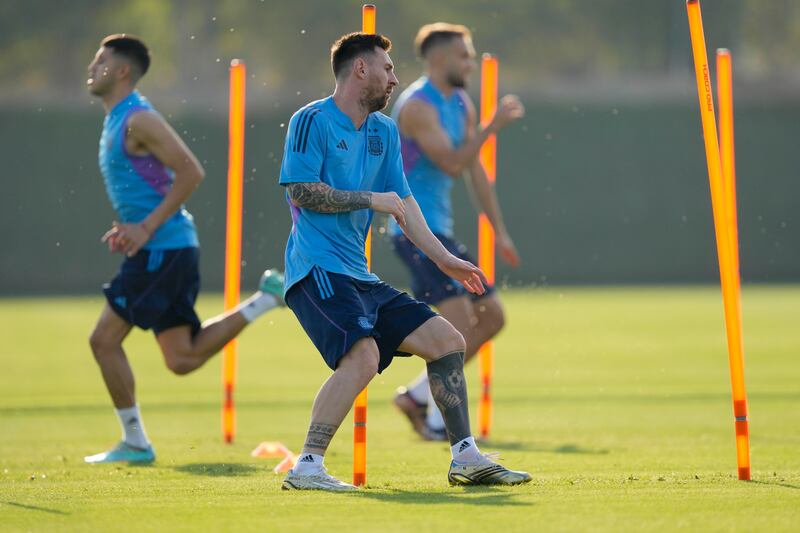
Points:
[(341, 162), (149, 173), (440, 142)]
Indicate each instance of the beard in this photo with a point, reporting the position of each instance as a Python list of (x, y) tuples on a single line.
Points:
[(456, 80), (375, 99)]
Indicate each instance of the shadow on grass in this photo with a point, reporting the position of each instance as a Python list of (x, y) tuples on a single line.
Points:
[(777, 484), (533, 447), (35, 508), (468, 495), (219, 469)]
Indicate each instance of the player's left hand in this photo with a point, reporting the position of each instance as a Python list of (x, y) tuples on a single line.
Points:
[(507, 250), (131, 237), (470, 276)]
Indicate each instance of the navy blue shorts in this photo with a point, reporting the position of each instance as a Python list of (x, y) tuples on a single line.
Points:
[(336, 311), (428, 283), (156, 289)]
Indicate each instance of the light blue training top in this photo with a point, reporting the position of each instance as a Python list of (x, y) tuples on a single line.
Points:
[(429, 184), (323, 145), (137, 184)]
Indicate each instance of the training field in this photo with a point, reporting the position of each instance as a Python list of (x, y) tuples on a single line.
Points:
[(616, 399)]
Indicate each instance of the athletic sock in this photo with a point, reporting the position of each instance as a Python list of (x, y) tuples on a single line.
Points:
[(434, 418), (465, 451), (419, 390), (258, 304), (133, 427), (308, 463)]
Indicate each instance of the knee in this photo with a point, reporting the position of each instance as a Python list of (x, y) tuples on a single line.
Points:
[(450, 340), (101, 343), (177, 364), (362, 360)]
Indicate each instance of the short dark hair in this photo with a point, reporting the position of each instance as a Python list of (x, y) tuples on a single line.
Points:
[(131, 48), (432, 35), (348, 47)]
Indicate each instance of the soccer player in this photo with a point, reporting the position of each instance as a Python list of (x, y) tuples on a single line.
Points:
[(149, 173), (341, 162), (440, 143)]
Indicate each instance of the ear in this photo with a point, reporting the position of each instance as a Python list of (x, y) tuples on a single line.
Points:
[(124, 70), (360, 68)]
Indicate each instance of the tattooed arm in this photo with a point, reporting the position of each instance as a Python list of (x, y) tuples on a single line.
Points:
[(323, 198)]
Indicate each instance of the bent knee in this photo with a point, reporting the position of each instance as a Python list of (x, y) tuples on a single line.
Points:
[(363, 359), (449, 339), (178, 364)]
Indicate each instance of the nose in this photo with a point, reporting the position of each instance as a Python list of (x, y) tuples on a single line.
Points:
[(393, 80)]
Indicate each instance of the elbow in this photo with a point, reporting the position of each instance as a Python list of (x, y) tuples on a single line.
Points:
[(199, 175), (453, 169)]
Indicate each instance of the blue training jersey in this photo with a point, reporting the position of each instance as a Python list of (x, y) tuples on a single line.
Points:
[(430, 185), (323, 145), (137, 184)]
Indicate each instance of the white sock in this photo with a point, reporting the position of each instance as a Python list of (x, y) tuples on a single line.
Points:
[(133, 427), (465, 451), (434, 419), (258, 304), (418, 389), (308, 463)]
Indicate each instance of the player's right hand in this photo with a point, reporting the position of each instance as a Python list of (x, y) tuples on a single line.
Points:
[(391, 203), (510, 109)]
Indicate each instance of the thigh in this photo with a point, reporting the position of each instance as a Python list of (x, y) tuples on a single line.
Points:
[(333, 312), (460, 312), (433, 339), (398, 316), (110, 327), (175, 342), (487, 308)]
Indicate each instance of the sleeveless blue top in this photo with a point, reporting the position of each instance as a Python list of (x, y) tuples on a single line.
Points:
[(430, 186), (137, 184)]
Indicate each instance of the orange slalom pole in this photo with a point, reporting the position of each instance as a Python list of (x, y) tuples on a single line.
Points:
[(486, 251), (368, 17), (233, 237), (725, 255), (735, 341), (368, 13)]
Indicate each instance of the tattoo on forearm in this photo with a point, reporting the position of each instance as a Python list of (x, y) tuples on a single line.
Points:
[(449, 390), (320, 435), (323, 198)]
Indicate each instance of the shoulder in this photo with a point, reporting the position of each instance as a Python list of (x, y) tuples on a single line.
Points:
[(143, 117), (313, 111), (144, 123)]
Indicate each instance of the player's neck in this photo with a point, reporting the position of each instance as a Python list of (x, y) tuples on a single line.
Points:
[(440, 82), (116, 96), (349, 102)]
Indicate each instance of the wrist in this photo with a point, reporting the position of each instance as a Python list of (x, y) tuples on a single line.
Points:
[(146, 228)]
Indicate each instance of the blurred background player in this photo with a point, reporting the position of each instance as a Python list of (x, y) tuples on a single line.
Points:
[(341, 162), (149, 173), (440, 143)]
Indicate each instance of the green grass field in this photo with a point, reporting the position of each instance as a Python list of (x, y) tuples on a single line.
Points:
[(616, 399)]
